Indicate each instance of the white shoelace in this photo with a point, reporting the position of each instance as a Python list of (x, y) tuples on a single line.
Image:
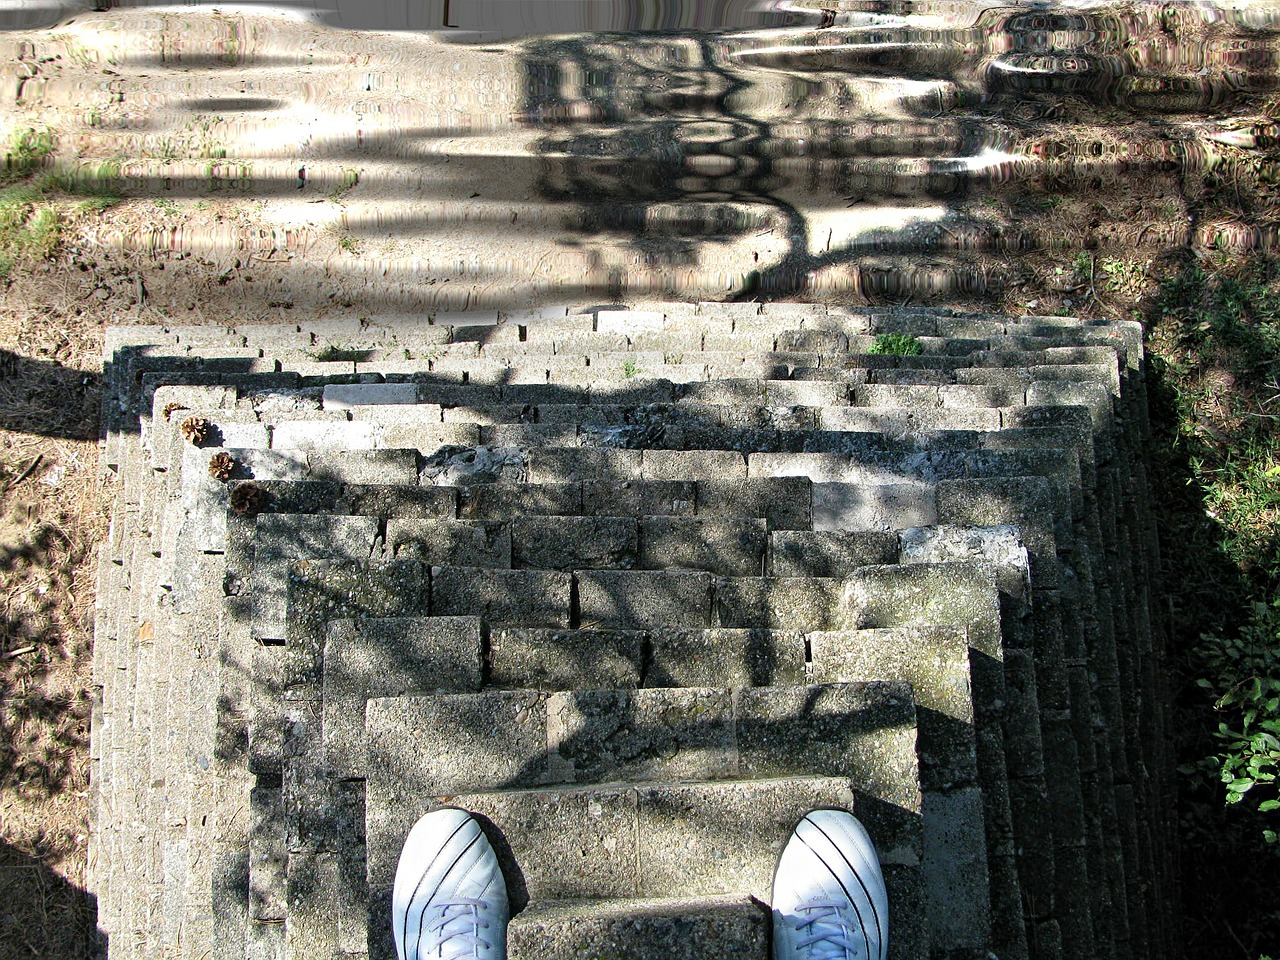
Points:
[(829, 933), (452, 927)]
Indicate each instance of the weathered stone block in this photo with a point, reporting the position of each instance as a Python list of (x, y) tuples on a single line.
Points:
[(880, 506), (352, 396), (643, 599), (385, 657), (386, 501), (639, 498), (780, 603), (570, 843), (863, 731), (311, 928), (718, 838), (324, 435), (599, 736), (454, 743), (500, 501), (541, 659), (323, 590), (524, 597), (364, 466), (574, 543), (734, 658), (641, 929), (463, 543), (935, 661), (281, 538), (830, 553), (693, 465), (783, 501), (725, 546)]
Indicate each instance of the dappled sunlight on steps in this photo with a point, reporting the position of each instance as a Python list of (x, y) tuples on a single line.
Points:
[(639, 587)]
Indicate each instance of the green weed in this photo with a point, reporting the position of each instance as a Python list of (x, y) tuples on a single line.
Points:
[(1127, 278), (36, 198), (1244, 675), (349, 243), (26, 152), (896, 345), (29, 229), (630, 368), (350, 179)]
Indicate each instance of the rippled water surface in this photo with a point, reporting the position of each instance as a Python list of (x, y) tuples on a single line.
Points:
[(459, 154)]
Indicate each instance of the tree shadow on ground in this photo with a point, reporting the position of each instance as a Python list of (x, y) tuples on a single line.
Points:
[(46, 398), (42, 914)]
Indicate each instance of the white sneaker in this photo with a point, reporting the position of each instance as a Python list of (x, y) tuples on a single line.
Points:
[(829, 898), (449, 901)]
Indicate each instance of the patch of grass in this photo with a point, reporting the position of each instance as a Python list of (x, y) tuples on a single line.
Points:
[(29, 229), (349, 244), (630, 368), (897, 345), (26, 152), (1213, 332), (1214, 344), (35, 201), (1242, 494)]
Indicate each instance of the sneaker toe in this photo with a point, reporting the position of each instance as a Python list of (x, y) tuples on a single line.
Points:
[(445, 856)]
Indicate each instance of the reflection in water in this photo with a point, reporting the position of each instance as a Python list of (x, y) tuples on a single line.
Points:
[(874, 151)]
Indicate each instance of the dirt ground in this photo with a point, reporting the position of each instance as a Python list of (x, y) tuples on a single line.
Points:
[(1074, 237), (52, 517)]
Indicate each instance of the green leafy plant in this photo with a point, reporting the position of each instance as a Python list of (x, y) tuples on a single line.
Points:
[(1247, 669), (896, 345), (1128, 278), (630, 368)]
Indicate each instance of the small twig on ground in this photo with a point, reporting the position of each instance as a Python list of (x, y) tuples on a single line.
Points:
[(31, 468), (14, 654)]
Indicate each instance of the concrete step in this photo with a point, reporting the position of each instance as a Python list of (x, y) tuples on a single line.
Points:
[(683, 928), (318, 592), (662, 840), (385, 657), (601, 736), (964, 596), (1068, 397), (584, 659), (638, 735)]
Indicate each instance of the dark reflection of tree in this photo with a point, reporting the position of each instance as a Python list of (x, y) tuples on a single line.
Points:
[(661, 142), (659, 148)]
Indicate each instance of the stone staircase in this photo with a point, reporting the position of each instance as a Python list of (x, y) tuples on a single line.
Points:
[(639, 587)]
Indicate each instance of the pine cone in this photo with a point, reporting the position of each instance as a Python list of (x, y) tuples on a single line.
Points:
[(222, 466), (195, 429), (248, 499)]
